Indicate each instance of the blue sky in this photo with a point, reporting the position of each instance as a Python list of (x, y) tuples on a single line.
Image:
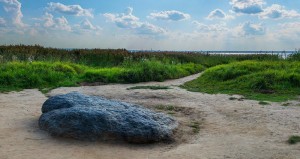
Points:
[(153, 24)]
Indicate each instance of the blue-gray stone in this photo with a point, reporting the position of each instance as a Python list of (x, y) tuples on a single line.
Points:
[(90, 118)]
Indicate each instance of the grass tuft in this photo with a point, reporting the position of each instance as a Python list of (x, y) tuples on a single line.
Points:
[(286, 104), (263, 103), (149, 87), (233, 98), (165, 107), (195, 126), (294, 139)]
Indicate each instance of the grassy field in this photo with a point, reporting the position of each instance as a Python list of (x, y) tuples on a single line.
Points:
[(264, 77), (48, 75), (259, 80), (110, 58)]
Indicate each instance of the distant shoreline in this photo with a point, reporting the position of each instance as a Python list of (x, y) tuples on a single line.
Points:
[(221, 52)]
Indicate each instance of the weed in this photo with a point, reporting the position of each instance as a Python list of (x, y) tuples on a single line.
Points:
[(263, 103), (232, 98), (149, 87), (171, 113), (195, 126), (286, 104), (294, 139), (165, 107)]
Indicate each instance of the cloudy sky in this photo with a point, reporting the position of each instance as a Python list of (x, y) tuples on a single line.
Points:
[(153, 24)]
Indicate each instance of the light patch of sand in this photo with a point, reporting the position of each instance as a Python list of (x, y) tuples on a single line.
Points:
[(229, 128)]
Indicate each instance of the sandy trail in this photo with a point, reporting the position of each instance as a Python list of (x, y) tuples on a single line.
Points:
[(229, 128)]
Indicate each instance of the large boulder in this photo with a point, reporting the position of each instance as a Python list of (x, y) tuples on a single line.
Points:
[(90, 118)]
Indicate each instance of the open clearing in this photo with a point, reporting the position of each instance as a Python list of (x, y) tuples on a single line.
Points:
[(211, 126)]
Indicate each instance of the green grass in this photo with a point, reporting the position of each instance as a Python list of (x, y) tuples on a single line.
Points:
[(117, 57), (20, 75), (260, 80), (149, 87), (286, 104), (294, 139), (165, 107), (24, 67), (150, 70), (195, 126), (263, 103), (48, 75), (233, 98)]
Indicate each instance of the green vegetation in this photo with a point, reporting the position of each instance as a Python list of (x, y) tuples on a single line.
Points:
[(165, 107), (294, 139), (21, 75), (149, 87), (195, 126), (294, 57), (286, 104), (263, 103), (45, 75), (111, 58), (149, 70), (232, 98), (259, 80), (266, 77)]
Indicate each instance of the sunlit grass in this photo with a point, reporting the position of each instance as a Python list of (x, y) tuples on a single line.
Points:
[(263, 81), (46, 68), (47, 75)]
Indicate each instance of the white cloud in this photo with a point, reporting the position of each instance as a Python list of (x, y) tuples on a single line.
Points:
[(250, 29), (124, 20), (171, 15), (76, 10), (128, 21), (49, 22), (277, 11), (290, 30), (219, 14), (147, 28), (288, 34), (86, 24), (60, 23), (14, 8), (210, 28), (247, 6), (87, 27), (2, 22)]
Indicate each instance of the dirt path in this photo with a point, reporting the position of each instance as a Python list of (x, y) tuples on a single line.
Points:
[(228, 128)]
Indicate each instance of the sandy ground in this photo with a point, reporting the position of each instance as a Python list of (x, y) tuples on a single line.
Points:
[(239, 129)]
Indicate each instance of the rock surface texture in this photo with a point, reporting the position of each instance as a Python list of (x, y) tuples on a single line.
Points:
[(90, 118)]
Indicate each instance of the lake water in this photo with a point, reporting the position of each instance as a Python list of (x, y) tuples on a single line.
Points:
[(283, 54)]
